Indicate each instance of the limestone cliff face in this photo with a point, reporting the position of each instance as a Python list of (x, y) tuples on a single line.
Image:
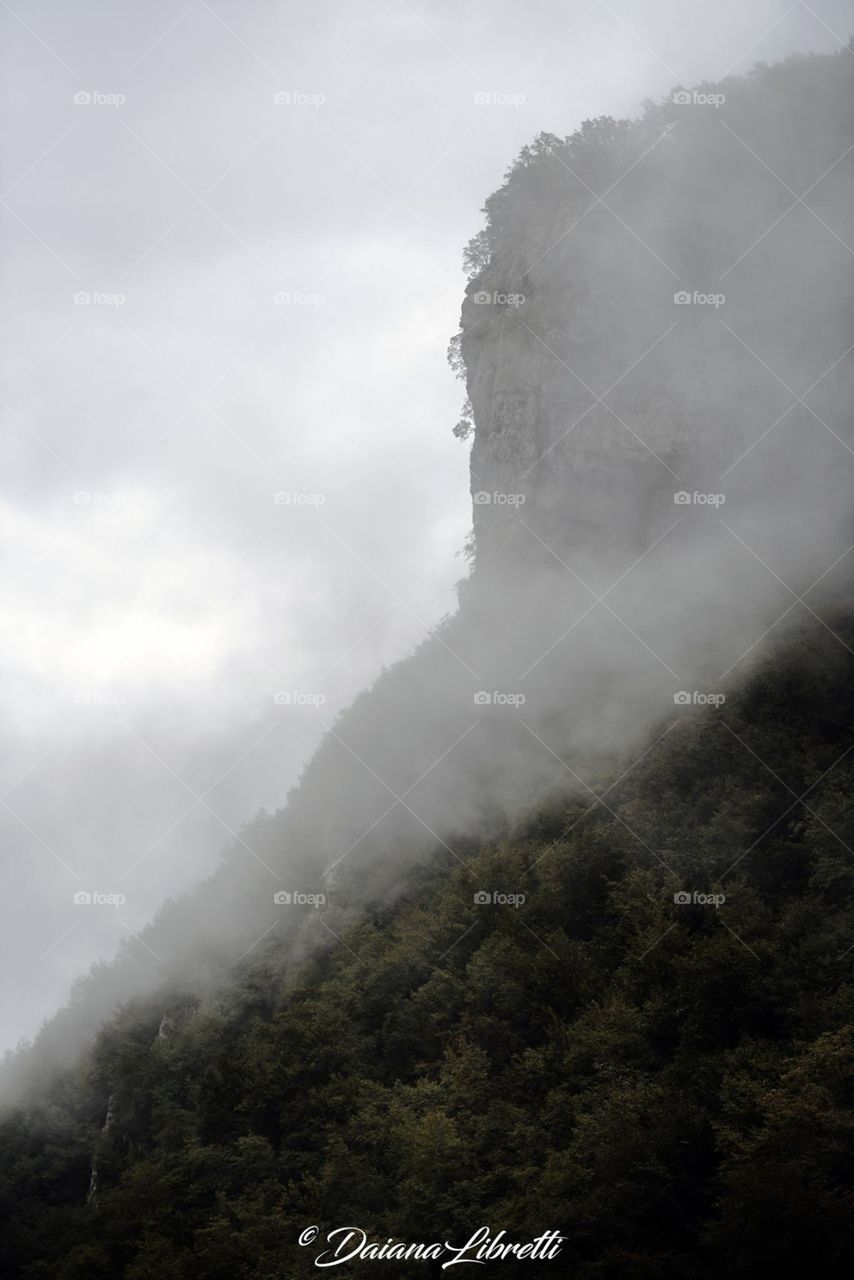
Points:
[(595, 396), (647, 300), (550, 464)]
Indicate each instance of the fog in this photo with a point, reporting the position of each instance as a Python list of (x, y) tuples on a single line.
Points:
[(231, 493)]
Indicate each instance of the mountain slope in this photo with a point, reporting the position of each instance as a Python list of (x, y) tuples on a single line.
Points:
[(594, 397), (669, 1085)]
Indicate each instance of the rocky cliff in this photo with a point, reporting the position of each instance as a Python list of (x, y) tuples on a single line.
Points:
[(650, 298)]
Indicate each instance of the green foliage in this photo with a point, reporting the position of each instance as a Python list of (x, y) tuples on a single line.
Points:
[(671, 1085)]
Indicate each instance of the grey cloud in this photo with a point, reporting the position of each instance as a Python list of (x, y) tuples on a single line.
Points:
[(181, 585)]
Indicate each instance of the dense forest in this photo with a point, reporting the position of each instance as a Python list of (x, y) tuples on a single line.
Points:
[(669, 1084), (593, 971)]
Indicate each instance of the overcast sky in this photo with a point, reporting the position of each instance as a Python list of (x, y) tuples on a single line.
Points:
[(232, 243)]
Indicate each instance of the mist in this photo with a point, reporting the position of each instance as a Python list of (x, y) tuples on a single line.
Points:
[(233, 499)]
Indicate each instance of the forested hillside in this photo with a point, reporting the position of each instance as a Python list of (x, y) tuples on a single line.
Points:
[(668, 1084)]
